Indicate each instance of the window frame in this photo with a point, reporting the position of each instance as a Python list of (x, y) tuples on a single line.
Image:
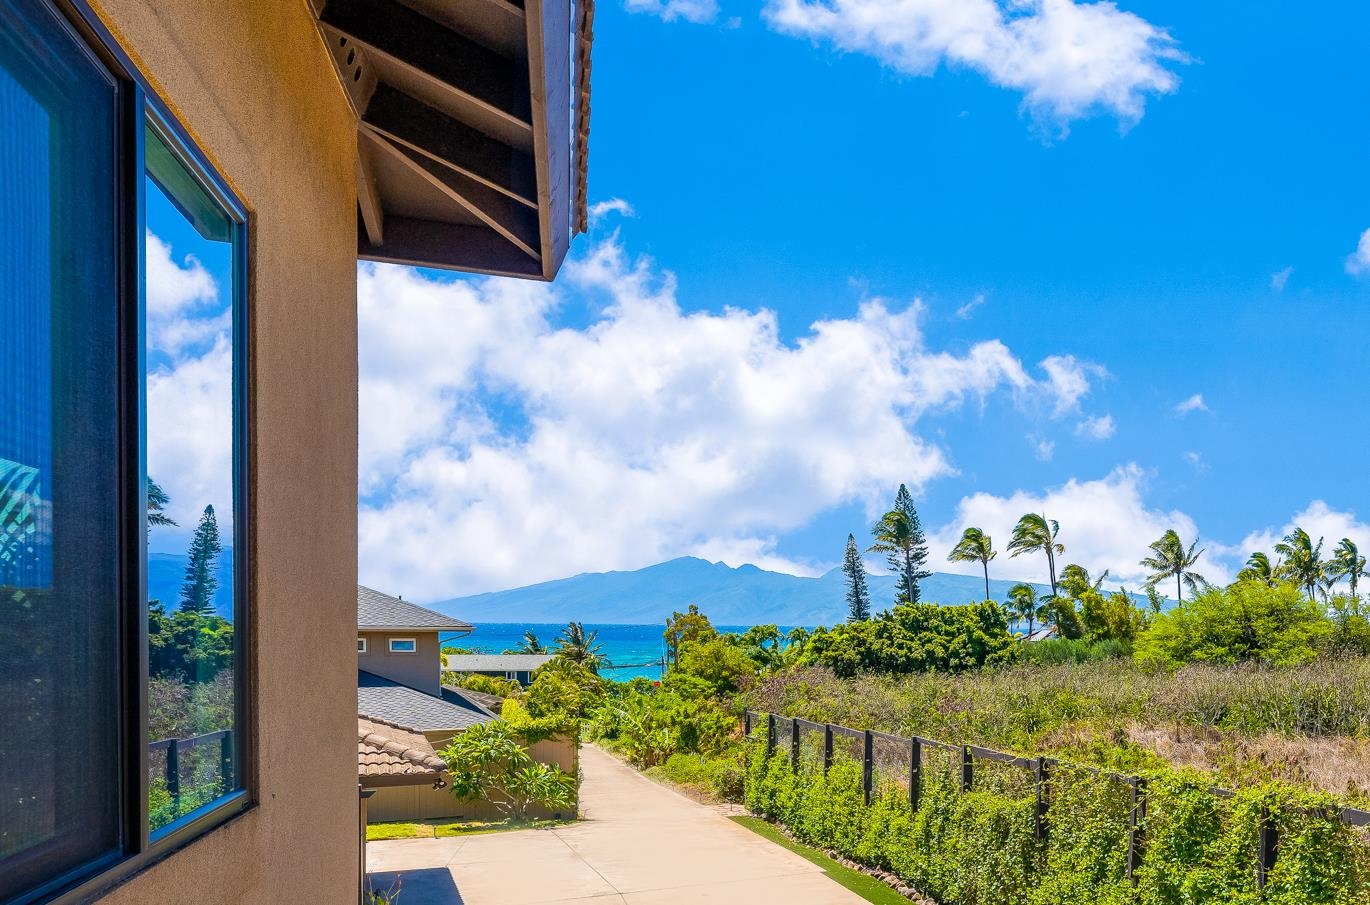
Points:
[(361, 645), (138, 107), (390, 645)]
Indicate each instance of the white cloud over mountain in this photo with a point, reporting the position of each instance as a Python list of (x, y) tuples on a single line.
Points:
[(499, 449), (1068, 59)]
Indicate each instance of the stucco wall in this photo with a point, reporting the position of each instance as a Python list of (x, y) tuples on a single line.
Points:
[(421, 669), (251, 81), (423, 802)]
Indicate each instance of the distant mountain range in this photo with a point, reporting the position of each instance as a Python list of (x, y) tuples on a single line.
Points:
[(166, 571), (745, 595)]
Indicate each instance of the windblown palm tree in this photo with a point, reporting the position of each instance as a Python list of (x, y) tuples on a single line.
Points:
[(1346, 563), (974, 546), (157, 501), (1022, 603), (531, 644), (1303, 561), (1259, 568), (1035, 534), (580, 646), (1170, 559), (1076, 580), (897, 537)]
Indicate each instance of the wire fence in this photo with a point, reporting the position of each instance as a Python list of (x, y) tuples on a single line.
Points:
[(909, 762)]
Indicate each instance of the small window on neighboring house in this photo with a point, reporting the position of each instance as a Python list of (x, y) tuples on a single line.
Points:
[(512, 676), (403, 645), (361, 645)]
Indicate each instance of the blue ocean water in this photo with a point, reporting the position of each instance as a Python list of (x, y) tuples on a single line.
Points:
[(632, 650)]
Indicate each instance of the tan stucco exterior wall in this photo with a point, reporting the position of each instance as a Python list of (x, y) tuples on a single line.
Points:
[(423, 802), (251, 81), (421, 669)]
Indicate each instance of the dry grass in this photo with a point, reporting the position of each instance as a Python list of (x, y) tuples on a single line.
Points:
[(1308, 726)]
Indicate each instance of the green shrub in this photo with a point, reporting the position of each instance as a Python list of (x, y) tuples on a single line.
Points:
[(981, 847), (1246, 622)]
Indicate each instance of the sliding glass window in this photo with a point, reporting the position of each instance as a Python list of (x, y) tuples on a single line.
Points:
[(122, 469), (192, 255)]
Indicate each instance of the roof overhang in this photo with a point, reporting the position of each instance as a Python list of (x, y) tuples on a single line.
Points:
[(471, 152)]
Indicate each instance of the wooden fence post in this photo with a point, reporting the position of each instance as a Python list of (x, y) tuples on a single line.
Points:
[(794, 744), (915, 772), (1268, 845), (868, 765), (1134, 828), (746, 725), (1043, 777), (770, 735), (827, 747), (967, 769), (173, 769)]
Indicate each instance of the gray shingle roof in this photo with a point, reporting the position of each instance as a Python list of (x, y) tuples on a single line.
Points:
[(381, 611), (380, 698), (495, 662)]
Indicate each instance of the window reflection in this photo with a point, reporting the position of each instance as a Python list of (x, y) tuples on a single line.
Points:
[(189, 265)]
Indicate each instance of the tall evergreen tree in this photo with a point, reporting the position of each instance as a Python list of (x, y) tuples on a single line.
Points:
[(197, 591), (899, 535), (858, 597)]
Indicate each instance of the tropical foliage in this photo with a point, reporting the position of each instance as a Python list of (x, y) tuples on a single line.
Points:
[(489, 761)]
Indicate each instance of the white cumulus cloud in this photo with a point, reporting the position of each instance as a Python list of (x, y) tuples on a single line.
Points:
[(499, 449), (1320, 521), (1105, 524), (698, 11), (601, 209), (1099, 428), (1280, 278), (1358, 262), (1068, 59), (1194, 403)]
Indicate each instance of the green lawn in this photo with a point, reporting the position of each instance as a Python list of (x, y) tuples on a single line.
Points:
[(427, 829), (868, 888)]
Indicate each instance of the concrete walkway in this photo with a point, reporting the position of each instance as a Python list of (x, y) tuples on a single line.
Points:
[(640, 844)]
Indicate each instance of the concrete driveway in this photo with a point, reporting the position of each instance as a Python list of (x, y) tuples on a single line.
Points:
[(640, 844)]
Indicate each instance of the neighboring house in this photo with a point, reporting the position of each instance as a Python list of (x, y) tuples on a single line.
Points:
[(405, 716), (1042, 634), (518, 667), (292, 138)]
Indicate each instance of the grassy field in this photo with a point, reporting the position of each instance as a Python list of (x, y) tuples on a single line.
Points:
[(868, 888), (1307, 726), (428, 829)]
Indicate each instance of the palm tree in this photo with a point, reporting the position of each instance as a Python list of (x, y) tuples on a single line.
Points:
[(1022, 603), (157, 501), (1259, 568), (531, 644), (1346, 563), (1035, 534), (1302, 561), (974, 546), (1076, 580), (1170, 558), (898, 538), (580, 646)]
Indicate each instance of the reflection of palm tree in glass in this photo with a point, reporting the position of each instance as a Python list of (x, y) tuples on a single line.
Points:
[(157, 501)]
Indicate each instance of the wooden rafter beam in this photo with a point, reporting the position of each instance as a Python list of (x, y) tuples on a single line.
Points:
[(435, 52), (516, 222), (368, 196), (408, 122), (427, 243)]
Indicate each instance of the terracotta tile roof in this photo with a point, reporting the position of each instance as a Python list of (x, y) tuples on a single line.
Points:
[(381, 611), (384, 749), (585, 39)]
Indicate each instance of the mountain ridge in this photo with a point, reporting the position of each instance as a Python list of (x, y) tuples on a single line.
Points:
[(741, 595)]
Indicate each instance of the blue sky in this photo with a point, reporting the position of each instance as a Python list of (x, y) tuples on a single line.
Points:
[(1162, 200)]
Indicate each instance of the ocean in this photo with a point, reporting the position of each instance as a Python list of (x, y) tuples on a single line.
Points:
[(632, 650)]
